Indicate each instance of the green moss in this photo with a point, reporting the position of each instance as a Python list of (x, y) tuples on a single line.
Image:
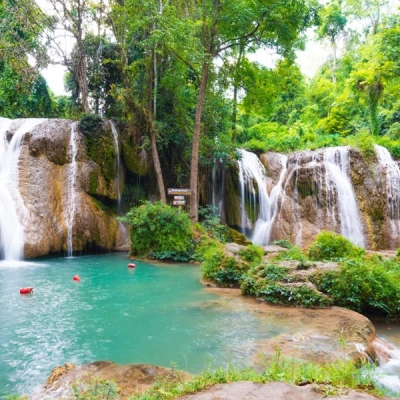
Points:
[(93, 183), (131, 155), (307, 188)]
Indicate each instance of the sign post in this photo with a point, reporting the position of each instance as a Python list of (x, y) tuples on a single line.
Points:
[(179, 196)]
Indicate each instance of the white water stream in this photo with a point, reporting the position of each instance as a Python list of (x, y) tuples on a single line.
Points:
[(72, 189), (392, 171), (11, 202), (116, 146), (338, 186), (262, 205)]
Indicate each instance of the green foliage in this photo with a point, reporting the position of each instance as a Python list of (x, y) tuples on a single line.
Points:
[(333, 377), (296, 295), (95, 389), (210, 220), (20, 99), (331, 246), (160, 231), (100, 145), (369, 286), (283, 243), (292, 253), (91, 124), (220, 268), (252, 254)]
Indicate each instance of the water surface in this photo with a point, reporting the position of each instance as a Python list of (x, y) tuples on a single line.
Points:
[(154, 314)]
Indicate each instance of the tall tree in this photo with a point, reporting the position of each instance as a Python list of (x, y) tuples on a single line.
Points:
[(73, 18), (131, 24), (203, 30), (332, 26)]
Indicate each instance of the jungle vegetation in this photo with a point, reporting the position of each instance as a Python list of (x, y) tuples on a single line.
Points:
[(183, 70)]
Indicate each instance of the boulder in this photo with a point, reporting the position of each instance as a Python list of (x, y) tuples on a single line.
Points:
[(273, 391)]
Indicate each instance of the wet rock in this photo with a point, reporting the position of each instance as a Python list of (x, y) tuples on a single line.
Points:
[(273, 249), (130, 379), (46, 202), (319, 335), (57, 373), (273, 391), (308, 205)]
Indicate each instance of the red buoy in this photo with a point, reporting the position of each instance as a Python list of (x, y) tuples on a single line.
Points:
[(76, 278), (26, 290), (131, 265)]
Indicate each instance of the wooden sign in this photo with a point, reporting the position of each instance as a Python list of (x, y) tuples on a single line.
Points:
[(179, 202), (179, 197), (186, 192)]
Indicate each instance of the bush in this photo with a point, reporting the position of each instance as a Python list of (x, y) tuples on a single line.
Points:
[(331, 246), (160, 231), (222, 269), (210, 220), (366, 286), (90, 123), (252, 254), (282, 243)]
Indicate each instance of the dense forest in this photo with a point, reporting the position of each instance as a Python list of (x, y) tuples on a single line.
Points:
[(183, 72)]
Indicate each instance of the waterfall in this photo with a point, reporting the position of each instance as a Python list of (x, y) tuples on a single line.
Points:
[(72, 188), (217, 195), (261, 205), (391, 168), (115, 134), (387, 375), (11, 202), (339, 188)]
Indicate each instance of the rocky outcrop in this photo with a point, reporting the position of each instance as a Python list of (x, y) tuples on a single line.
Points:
[(309, 198), (46, 183), (320, 335), (130, 379), (274, 391)]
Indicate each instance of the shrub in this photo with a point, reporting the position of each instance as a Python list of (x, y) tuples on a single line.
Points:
[(210, 220), (293, 253), (252, 254), (222, 269), (282, 243), (331, 246), (160, 231), (90, 123), (367, 286)]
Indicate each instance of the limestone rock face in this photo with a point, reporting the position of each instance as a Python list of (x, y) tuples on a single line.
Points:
[(58, 200), (309, 199)]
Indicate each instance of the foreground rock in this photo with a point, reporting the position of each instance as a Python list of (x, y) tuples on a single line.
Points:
[(130, 379), (315, 335), (273, 391)]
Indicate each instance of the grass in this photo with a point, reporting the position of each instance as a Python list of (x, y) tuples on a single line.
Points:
[(329, 379), (333, 378)]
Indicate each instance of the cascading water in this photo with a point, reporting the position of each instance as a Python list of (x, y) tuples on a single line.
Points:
[(387, 374), (11, 203), (115, 134), (72, 189), (340, 190), (218, 175), (252, 171), (392, 171)]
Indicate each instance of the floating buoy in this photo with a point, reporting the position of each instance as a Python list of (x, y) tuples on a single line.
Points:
[(131, 265), (76, 278), (26, 290)]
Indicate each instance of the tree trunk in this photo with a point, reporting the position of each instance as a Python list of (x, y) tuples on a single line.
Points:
[(194, 164), (157, 165), (82, 79)]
